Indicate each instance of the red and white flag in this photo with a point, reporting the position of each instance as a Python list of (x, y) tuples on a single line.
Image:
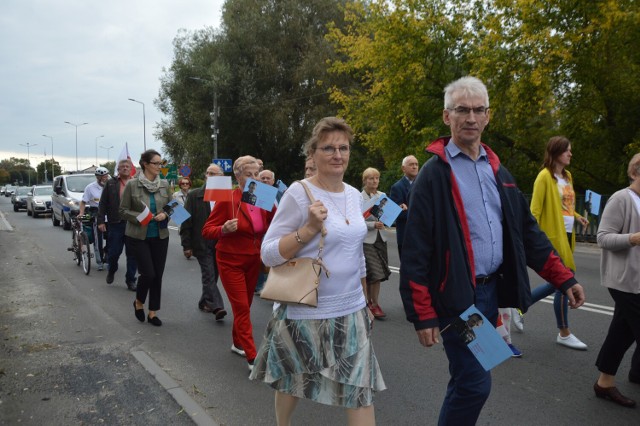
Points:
[(145, 217), (218, 188), (124, 155)]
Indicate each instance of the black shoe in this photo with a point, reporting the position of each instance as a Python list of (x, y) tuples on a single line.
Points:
[(138, 312), (219, 313), (155, 321), (109, 277), (614, 395), (131, 285)]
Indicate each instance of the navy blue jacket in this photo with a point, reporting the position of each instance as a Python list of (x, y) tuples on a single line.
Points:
[(437, 277)]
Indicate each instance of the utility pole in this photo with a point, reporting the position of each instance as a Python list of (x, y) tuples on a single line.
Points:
[(214, 126)]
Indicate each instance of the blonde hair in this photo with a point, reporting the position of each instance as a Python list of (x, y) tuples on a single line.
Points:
[(241, 162), (369, 172), (324, 127), (634, 166)]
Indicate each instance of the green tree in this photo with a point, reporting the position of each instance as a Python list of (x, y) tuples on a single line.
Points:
[(267, 66), (40, 168)]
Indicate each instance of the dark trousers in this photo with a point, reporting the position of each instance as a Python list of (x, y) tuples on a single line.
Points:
[(117, 241), (151, 256), (623, 331), (209, 270), (469, 385)]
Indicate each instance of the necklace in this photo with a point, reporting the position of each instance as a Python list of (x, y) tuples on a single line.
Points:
[(344, 215)]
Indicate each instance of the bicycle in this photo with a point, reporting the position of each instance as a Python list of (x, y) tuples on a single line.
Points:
[(80, 242)]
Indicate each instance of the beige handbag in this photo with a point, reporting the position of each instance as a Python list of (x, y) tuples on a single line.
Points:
[(296, 281)]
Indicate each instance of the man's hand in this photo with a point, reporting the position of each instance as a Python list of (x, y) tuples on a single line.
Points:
[(576, 296), (188, 253), (428, 336), (102, 227)]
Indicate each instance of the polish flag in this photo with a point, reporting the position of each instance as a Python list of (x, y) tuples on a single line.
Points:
[(145, 217), (124, 155), (218, 188)]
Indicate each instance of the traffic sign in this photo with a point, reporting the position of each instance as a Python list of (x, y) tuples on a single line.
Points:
[(224, 163), (169, 172), (185, 170)]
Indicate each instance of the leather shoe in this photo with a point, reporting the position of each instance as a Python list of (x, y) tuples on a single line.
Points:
[(109, 277), (377, 312), (219, 313), (138, 312), (155, 321), (613, 394)]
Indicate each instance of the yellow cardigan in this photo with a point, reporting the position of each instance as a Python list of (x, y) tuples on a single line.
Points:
[(546, 207)]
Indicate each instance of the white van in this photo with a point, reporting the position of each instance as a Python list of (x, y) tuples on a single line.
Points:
[(66, 197)]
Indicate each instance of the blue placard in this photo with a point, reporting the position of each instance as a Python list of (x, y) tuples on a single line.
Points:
[(185, 170), (259, 194), (592, 202), (224, 163)]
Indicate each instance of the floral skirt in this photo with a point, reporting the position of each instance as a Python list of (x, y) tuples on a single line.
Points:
[(329, 361)]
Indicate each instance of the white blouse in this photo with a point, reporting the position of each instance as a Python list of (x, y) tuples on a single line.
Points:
[(341, 293)]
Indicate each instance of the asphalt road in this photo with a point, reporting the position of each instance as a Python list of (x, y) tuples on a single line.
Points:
[(549, 385)]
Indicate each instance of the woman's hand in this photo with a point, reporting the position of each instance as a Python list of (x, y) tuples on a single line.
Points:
[(583, 221), (230, 226), (160, 217), (634, 239), (378, 225), (317, 215)]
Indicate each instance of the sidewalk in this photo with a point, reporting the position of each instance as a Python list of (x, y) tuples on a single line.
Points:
[(63, 361)]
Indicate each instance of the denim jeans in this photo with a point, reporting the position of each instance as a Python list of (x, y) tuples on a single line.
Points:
[(469, 385), (560, 302), (117, 241)]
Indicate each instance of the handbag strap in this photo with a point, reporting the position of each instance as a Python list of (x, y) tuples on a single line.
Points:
[(323, 232)]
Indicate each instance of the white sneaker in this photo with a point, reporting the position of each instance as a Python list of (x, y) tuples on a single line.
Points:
[(572, 342), (518, 319), (237, 351)]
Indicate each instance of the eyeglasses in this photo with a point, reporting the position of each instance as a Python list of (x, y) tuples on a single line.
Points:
[(331, 150), (156, 163), (464, 111)]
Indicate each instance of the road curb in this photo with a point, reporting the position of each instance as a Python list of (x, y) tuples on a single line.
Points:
[(190, 406)]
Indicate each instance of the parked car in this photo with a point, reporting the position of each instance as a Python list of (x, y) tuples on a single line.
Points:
[(67, 193), (2, 188), (19, 198), (39, 200), (9, 190)]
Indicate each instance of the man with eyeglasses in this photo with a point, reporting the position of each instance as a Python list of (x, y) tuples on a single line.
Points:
[(204, 250), (472, 238)]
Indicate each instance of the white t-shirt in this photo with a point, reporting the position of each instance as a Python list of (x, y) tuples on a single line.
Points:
[(92, 194), (341, 293)]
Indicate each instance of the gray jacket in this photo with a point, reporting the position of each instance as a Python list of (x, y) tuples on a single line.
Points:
[(131, 205), (620, 261)]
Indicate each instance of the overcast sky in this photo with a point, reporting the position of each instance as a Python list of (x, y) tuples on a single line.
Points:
[(80, 61)]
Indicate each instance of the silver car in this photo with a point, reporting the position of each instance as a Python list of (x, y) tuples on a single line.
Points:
[(39, 200)]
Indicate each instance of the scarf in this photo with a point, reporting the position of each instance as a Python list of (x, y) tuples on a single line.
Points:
[(152, 186)]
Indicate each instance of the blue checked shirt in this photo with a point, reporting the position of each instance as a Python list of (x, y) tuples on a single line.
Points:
[(482, 206)]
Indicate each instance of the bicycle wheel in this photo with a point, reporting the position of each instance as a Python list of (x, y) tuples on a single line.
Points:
[(76, 247), (85, 248)]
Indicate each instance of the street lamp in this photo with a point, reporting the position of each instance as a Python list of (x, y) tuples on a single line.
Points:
[(144, 123), (214, 116), (29, 145), (76, 126), (108, 148), (102, 136), (53, 170)]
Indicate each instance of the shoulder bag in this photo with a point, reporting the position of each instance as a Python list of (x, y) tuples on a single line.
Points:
[(296, 281)]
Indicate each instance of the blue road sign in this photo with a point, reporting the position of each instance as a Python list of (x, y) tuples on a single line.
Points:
[(185, 170), (225, 164)]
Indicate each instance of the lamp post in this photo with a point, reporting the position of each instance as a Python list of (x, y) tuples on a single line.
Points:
[(101, 136), (108, 148), (76, 126), (53, 170), (29, 145), (144, 124), (214, 116)]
